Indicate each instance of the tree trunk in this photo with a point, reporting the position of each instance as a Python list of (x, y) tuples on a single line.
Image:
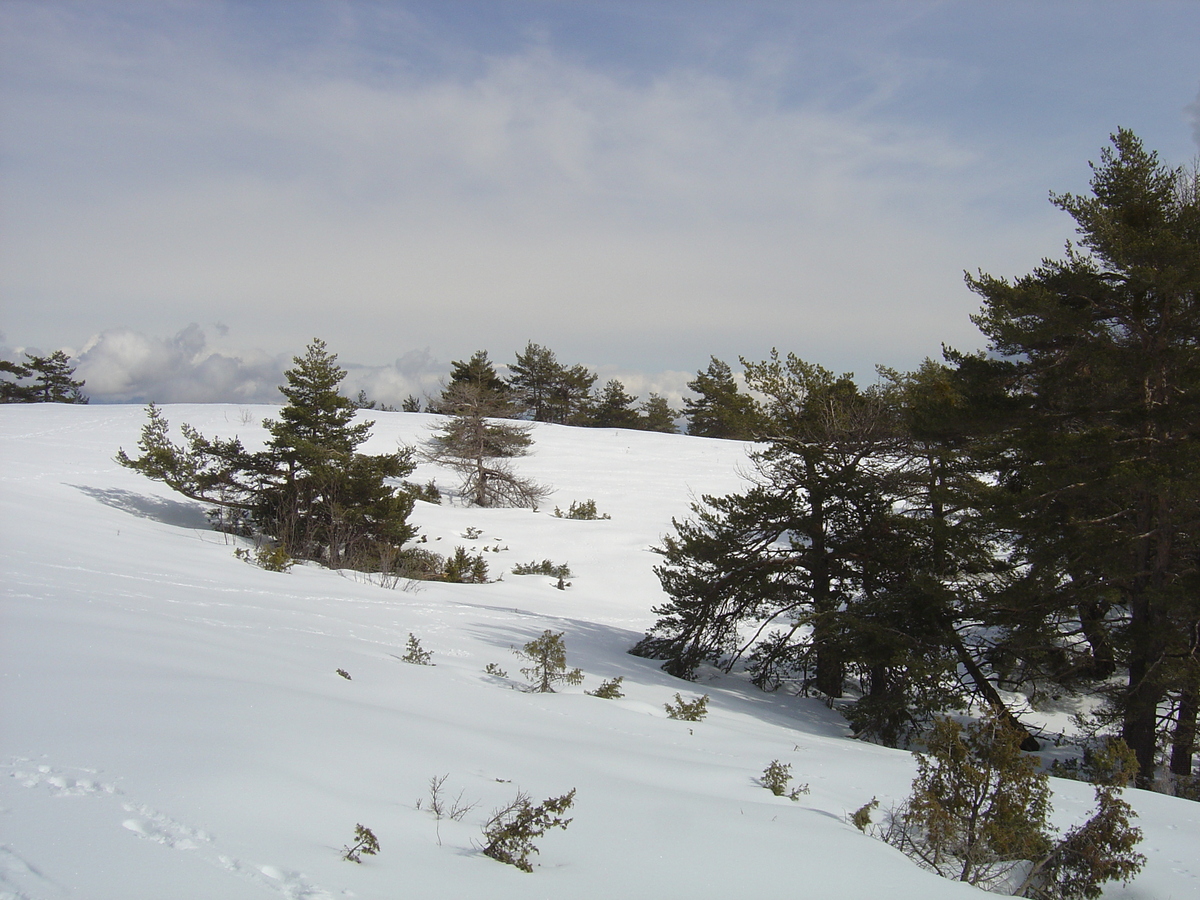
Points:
[(1143, 692), (989, 693), (1183, 740), (1091, 619)]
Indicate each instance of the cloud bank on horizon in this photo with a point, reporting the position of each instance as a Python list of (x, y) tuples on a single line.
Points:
[(635, 185)]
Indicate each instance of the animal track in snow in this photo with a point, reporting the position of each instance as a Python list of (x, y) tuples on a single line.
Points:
[(292, 885), (154, 826), (145, 822), (59, 781)]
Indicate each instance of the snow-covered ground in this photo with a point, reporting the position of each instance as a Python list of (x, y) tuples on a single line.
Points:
[(173, 726)]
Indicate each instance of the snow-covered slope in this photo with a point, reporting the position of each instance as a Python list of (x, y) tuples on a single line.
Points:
[(173, 725)]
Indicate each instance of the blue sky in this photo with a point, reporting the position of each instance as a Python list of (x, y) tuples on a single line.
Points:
[(191, 191)]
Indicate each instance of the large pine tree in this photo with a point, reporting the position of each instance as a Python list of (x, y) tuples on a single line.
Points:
[(309, 489), (1101, 351)]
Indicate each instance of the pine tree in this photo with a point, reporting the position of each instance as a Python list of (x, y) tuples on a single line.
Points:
[(855, 558), (657, 415), (316, 419), (51, 380), (979, 808), (479, 374), (979, 813), (547, 391), (309, 489), (547, 657), (477, 446), (1101, 454), (535, 376), (613, 408), (790, 551), (721, 411), (13, 391)]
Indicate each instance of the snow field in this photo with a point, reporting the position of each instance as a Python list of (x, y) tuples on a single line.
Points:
[(172, 724)]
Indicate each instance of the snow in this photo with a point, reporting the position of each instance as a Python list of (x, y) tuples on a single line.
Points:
[(173, 725)]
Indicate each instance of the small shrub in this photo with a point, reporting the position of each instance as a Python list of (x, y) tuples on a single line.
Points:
[(420, 564), (609, 690), (687, 710), (545, 567), (273, 559), (862, 816), (472, 533), (415, 654), (438, 804), (510, 831), (775, 777), (495, 670), (548, 658), (978, 813), (465, 568), (1099, 850), (365, 844), (978, 809), (585, 509), (429, 492), (548, 655), (441, 808), (344, 674)]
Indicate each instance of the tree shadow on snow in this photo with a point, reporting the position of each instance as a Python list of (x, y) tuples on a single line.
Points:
[(169, 512), (602, 652)]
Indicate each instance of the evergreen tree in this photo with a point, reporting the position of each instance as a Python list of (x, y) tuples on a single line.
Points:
[(855, 557), (13, 391), (477, 373), (613, 408), (979, 813), (51, 380), (789, 552), (548, 391), (535, 376), (570, 399), (309, 489), (1102, 455), (721, 411), (657, 415), (547, 658), (480, 448)]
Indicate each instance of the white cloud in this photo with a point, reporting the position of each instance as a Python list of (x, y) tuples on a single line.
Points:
[(123, 366), (441, 196)]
